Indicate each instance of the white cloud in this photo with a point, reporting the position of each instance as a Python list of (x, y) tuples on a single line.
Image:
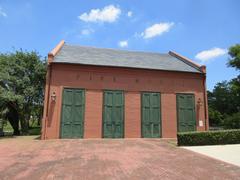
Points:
[(156, 30), (207, 55), (129, 13), (2, 13), (123, 43), (87, 31), (107, 14)]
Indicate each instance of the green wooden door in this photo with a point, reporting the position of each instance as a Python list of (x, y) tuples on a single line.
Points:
[(113, 114), (151, 115), (72, 113), (186, 112)]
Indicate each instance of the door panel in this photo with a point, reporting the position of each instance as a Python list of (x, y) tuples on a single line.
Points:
[(186, 112), (72, 113), (113, 116), (78, 114), (66, 127), (151, 115)]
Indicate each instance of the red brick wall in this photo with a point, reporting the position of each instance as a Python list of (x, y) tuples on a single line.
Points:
[(93, 114), (132, 115), (169, 115), (132, 81), (52, 124)]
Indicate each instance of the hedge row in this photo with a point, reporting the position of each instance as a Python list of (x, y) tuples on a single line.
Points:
[(209, 138)]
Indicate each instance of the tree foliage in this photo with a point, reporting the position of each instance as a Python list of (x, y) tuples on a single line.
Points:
[(224, 100), (234, 52), (22, 77), (215, 117), (232, 121)]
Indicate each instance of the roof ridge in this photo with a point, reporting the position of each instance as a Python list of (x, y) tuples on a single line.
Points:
[(121, 50)]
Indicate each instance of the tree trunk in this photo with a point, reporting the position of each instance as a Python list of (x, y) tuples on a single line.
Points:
[(40, 116), (13, 119), (24, 126), (24, 120)]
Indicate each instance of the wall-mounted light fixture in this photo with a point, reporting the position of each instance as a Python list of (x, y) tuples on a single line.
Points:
[(53, 96), (199, 102)]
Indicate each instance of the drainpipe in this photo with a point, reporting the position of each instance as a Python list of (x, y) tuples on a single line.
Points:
[(203, 68), (206, 104)]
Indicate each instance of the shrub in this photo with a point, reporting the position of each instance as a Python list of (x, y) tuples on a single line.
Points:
[(209, 138)]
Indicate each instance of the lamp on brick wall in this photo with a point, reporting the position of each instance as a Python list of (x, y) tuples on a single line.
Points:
[(199, 102), (53, 96)]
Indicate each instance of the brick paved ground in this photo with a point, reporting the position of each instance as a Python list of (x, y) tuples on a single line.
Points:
[(23, 158)]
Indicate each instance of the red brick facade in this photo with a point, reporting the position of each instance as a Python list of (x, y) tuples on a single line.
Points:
[(93, 112), (132, 115), (95, 79)]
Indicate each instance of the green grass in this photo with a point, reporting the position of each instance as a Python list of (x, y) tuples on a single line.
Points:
[(7, 127), (34, 129)]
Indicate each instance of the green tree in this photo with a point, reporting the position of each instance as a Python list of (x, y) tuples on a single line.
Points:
[(223, 98), (234, 52), (223, 101), (232, 121), (235, 91), (215, 117), (22, 77)]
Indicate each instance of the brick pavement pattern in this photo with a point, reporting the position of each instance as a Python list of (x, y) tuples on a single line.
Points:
[(107, 159)]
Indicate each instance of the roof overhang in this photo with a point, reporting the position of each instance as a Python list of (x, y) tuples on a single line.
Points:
[(188, 61), (55, 51), (201, 68)]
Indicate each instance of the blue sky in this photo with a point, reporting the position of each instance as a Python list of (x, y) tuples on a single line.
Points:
[(200, 30)]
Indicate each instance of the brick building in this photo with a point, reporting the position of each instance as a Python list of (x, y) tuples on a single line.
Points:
[(107, 93)]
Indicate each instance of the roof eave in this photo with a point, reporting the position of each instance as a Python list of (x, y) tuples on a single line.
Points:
[(126, 67), (201, 68), (54, 51)]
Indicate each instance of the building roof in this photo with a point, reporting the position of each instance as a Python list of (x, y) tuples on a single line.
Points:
[(73, 54)]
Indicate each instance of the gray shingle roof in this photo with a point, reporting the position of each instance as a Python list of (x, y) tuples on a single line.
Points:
[(118, 58)]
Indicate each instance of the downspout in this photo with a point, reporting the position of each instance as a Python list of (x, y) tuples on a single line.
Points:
[(203, 68), (206, 104)]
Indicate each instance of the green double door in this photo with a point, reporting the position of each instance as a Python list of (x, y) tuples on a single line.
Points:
[(186, 112), (151, 115), (72, 119), (113, 114)]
